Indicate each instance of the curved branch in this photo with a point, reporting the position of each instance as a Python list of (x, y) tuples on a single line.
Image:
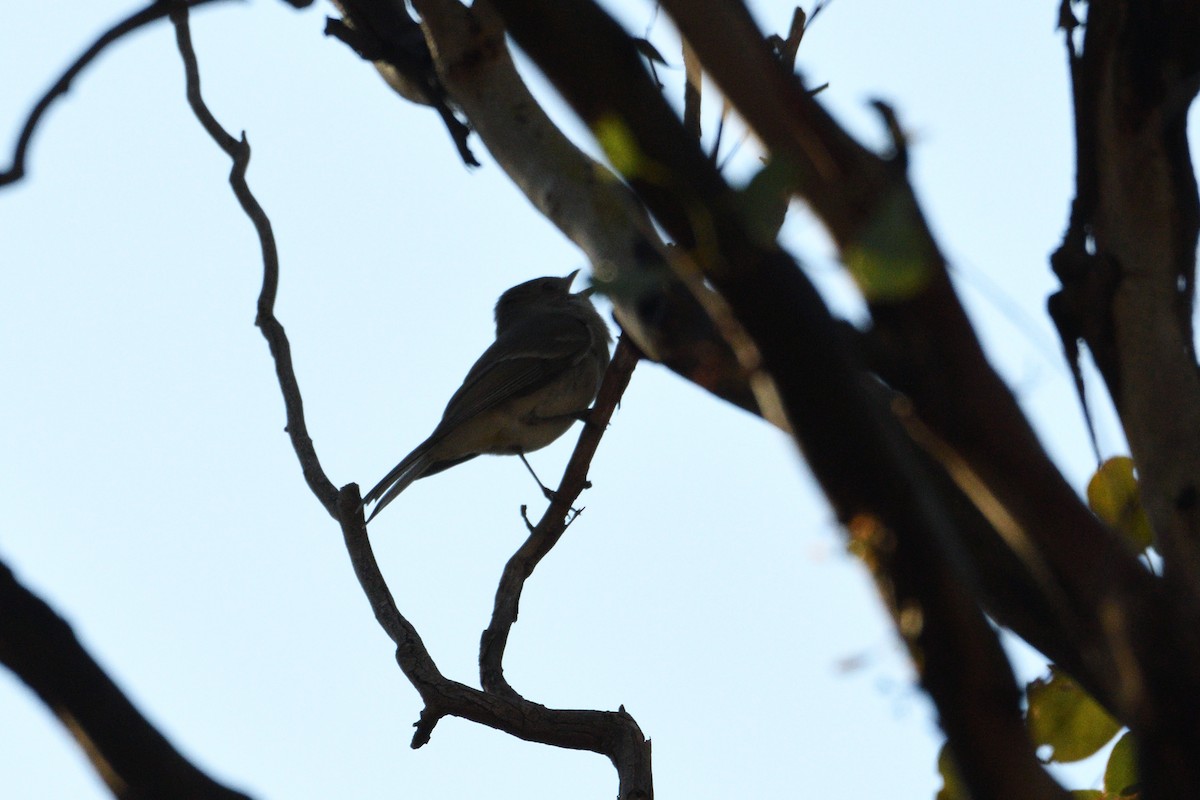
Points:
[(154, 11), (238, 151), (131, 756), (613, 734), (1128, 259), (553, 523)]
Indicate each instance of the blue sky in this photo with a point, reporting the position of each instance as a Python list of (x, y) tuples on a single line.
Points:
[(154, 500)]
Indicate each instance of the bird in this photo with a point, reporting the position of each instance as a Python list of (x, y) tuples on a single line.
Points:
[(539, 376)]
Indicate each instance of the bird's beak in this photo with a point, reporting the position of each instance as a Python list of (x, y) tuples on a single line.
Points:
[(586, 292)]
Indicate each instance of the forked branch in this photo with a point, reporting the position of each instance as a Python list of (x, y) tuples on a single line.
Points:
[(613, 734)]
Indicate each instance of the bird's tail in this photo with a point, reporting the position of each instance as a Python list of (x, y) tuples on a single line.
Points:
[(414, 466)]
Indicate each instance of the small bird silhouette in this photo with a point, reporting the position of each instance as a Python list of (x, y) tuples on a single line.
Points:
[(539, 376)]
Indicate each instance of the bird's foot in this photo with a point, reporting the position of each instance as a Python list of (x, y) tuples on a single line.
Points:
[(587, 417)]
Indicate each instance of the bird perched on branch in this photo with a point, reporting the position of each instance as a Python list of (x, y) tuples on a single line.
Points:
[(538, 377)]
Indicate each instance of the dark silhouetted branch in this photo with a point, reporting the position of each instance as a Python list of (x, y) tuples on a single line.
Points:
[(239, 151), (860, 457), (384, 34), (934, 356), (1127, 265), (553, 523), (613, 734), (155, 11), (133, 759)]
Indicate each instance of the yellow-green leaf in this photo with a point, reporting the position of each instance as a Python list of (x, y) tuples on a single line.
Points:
[(952, 787), (1120, 775), (1088, 794), (619, 144), (1113, 496), (888, 259), (1066, 719)]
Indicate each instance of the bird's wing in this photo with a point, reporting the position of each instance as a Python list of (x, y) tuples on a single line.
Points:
[(522, 360)]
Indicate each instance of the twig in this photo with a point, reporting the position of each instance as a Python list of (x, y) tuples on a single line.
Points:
[(154, 11), (239, 151), (386, 35), (553, 523)]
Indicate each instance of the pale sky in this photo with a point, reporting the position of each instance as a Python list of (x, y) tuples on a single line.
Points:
[(153, 498)]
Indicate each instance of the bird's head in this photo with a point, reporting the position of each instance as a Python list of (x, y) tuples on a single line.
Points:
[(547, 293)]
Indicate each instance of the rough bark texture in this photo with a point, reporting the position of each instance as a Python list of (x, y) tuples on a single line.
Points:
[(1127, 264)]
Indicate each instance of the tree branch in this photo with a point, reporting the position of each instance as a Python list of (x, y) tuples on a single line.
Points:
[(613, 734), (133, 759), (934, 355), (238, 151), (553, 523), (1128, 259), (581, 197), (856, 453), (155, 11), (1127, 265)]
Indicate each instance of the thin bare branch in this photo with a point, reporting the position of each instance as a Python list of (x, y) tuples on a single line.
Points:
[(553, 523), (613, 734), (239, 151), (155, 11)]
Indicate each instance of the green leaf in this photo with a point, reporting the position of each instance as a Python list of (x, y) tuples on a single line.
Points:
[(1088, 794), (763, 202), (619, 145), (1066, 719), (1120, 775), (888, 260), (952, 787), (1113, 496)]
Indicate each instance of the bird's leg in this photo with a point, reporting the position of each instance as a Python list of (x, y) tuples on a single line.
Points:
[(547, 492), (586, 417)]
